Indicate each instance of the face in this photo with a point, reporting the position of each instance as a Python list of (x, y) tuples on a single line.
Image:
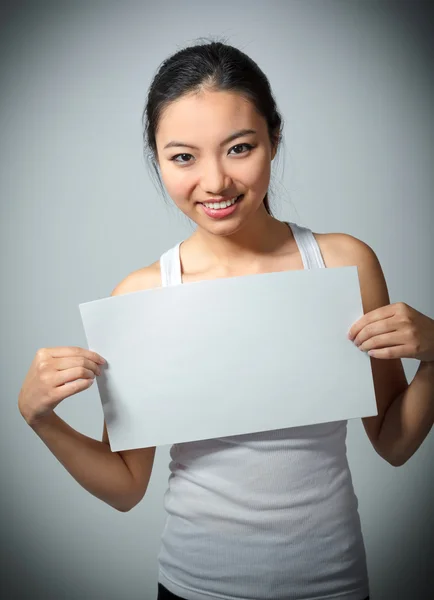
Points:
[(200, 164)]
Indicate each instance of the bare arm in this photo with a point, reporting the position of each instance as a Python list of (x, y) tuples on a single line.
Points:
[(409, 418), (405, 412), (120, 479), (93, 465)]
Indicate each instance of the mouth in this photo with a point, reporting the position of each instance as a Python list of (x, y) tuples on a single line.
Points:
[(218, 210)]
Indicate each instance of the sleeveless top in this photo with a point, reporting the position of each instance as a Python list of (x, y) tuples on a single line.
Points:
[(265, 516)]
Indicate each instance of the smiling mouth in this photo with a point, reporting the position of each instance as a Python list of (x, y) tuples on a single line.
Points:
[(221, 204)]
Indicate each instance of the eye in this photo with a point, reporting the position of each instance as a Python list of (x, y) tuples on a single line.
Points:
[(186, 162), (248, 146), (177, 161)]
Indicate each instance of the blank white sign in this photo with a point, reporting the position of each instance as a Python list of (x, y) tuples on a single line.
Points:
[(230, 356)]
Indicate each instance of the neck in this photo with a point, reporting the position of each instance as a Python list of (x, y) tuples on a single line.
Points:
[(260, 236)]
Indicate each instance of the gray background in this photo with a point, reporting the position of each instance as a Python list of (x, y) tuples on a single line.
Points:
[(79, 212)]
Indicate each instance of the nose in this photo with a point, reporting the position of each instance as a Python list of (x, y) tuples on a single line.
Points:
[(214, 179)]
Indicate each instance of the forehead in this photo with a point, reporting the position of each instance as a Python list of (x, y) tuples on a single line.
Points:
[(207, 114)]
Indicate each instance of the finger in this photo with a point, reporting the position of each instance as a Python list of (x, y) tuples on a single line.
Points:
[(374, 329), (70, 388), (382, 341), (61, 351), (79, 361), (383, 312), (70, 375), (391, 352)]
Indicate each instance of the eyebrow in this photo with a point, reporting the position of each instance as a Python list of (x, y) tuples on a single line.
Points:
[(231, 137)]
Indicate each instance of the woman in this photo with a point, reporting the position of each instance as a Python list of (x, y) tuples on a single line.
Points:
[(271, 515)]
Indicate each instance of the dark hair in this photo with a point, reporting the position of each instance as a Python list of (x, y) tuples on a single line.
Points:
[(215, 66)]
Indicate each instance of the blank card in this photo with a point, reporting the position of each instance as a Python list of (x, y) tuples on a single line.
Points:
[(229, 357)]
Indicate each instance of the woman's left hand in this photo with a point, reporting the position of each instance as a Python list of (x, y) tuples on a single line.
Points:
[(395, 331)]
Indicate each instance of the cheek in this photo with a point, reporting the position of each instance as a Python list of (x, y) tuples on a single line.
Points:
[(177, 182), (255, 173)]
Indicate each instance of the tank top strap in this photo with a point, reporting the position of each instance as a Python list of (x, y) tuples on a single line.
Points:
[(170, 267), (308, 247)]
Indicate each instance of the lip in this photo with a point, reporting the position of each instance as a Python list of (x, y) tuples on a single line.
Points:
[(220, 213)]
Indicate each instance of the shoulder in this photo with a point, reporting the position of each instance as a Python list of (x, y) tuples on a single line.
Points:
[(342, 250), (142, 279)]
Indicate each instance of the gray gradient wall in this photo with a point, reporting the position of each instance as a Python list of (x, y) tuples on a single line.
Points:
[(79, 212)]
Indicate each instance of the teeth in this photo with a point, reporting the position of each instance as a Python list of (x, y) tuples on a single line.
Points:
[(218, 205)]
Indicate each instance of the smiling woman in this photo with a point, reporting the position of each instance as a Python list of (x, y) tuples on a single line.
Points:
[(272, 514)]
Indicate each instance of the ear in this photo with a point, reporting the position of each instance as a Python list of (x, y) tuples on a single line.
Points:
[(275, 145)]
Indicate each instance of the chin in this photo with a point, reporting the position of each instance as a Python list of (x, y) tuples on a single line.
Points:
[(224, 230), (223, 227)]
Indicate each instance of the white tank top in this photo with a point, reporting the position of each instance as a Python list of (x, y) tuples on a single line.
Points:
[(265, 516)]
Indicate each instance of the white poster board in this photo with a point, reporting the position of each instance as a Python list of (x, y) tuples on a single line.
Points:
[(230, 356)]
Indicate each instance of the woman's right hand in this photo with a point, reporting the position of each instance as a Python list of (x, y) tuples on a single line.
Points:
[(55, 374)]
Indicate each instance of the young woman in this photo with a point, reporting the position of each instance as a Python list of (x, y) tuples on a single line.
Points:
[(271, 515)]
